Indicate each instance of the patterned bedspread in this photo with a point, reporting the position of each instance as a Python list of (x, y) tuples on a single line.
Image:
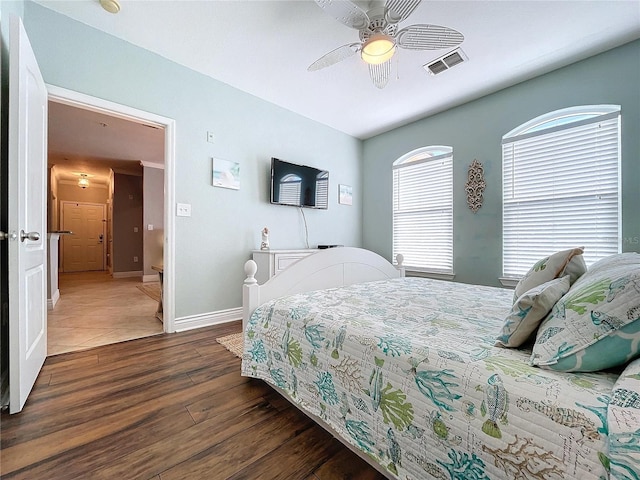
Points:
[(406, 371)]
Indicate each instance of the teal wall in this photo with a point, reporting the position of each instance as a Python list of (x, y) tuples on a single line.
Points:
[(475, 130), (213, 244)]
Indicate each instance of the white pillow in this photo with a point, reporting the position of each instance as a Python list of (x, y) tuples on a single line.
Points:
[(529, 311), (567, 262)]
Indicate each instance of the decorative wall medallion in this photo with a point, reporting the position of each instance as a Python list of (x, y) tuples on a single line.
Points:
[(475, 185)]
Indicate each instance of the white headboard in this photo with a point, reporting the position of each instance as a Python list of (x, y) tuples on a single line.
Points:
[(333, 267)]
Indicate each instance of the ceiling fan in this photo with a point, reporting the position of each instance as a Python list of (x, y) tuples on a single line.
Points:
[(380, 36)]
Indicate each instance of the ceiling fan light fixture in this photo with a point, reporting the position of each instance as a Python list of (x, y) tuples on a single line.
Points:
[(378, 49)]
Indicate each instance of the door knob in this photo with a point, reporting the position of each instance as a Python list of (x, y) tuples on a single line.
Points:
[(33, 236), (4, 236)]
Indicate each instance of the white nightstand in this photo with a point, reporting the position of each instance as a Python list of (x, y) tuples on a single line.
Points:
[(271, 262)]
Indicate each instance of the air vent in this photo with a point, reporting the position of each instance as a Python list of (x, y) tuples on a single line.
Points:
[(446, 62)]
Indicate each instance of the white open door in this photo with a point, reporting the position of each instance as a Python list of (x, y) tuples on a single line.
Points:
[(27, 217)]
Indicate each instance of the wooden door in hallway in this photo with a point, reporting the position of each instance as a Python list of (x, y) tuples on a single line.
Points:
[(84, 250)]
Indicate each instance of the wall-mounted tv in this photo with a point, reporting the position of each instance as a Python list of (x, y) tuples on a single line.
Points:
[(299, 185)]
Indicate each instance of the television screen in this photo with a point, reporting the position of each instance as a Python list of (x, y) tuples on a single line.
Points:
[(299, 185)]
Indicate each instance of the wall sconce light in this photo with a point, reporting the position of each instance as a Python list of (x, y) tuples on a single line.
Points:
[(83, 181)]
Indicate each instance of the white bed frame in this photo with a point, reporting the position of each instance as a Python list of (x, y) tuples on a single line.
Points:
[(333, 267)]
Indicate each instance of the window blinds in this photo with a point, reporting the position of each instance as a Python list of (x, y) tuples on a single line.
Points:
[(322, 189), (561, 190), (423, 213)]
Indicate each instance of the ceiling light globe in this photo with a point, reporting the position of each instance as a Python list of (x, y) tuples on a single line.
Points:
[(111, 6), (378, 49)]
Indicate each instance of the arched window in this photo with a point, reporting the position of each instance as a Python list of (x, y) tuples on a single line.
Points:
[(561, 186), (423, 209), (290, 189)]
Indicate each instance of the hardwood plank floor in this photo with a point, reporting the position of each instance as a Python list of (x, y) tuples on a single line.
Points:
[(165, 407)]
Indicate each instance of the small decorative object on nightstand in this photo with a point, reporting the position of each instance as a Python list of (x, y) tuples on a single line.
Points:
[(475, 186), (264, 245)]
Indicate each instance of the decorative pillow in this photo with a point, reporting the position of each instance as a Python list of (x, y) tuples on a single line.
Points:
[(596, 325), (567, 262), (529, 310), (614, 261), (623, 421)]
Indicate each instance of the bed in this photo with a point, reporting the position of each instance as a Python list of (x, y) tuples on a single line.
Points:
[(406, 372)]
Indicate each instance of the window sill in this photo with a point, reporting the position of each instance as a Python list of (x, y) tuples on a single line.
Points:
[(509, 282), (434, 275)]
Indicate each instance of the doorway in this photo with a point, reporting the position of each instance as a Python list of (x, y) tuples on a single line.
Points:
[(102, 259)]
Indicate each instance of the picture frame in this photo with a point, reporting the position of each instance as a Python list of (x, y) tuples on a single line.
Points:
[(345, 195), (225, 174)]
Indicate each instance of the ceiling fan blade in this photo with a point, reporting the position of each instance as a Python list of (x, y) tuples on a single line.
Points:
[(380, 73), (398, 10), (428, 37), (334, 56), (345, 12)]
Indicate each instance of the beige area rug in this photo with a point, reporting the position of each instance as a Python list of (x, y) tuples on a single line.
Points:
[(233, 343), (151, 289)]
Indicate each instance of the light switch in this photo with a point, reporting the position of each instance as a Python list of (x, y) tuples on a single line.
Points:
[(149, 227), (183, 209), (211, 138)]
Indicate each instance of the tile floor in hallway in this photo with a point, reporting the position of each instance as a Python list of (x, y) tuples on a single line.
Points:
[(95, 309)]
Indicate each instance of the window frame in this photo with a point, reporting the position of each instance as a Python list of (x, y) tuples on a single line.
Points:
[(544, 126), (413, 159)]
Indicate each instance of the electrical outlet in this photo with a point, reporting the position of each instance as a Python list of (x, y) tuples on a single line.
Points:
[(149, 227), (135, 229), (135, 259), (183, 209)]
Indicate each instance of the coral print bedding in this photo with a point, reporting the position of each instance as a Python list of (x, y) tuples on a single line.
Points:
[(407, 372)]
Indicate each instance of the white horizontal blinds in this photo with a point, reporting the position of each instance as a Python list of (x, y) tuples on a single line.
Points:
[(561, 190), (322, 189), (423, 212), (290, 189)]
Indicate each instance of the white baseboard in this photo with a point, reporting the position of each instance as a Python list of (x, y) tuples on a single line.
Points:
[(127, 274), (150, 278), (207, 319), (51, 302)]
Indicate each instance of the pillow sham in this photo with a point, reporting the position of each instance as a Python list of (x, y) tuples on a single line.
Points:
[(529, 310), (615, 261), (623, 418), (596, 324), (567, 262)]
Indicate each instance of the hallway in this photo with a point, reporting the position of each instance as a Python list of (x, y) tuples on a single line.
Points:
[(95, 309)]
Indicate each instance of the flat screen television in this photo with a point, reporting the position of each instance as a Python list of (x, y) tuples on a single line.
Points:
[(299, 185)]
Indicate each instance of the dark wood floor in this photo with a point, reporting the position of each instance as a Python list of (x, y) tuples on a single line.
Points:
[(165, 407)]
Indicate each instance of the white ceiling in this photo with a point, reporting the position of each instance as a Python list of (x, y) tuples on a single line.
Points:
[(264, 47), (84, 141)]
